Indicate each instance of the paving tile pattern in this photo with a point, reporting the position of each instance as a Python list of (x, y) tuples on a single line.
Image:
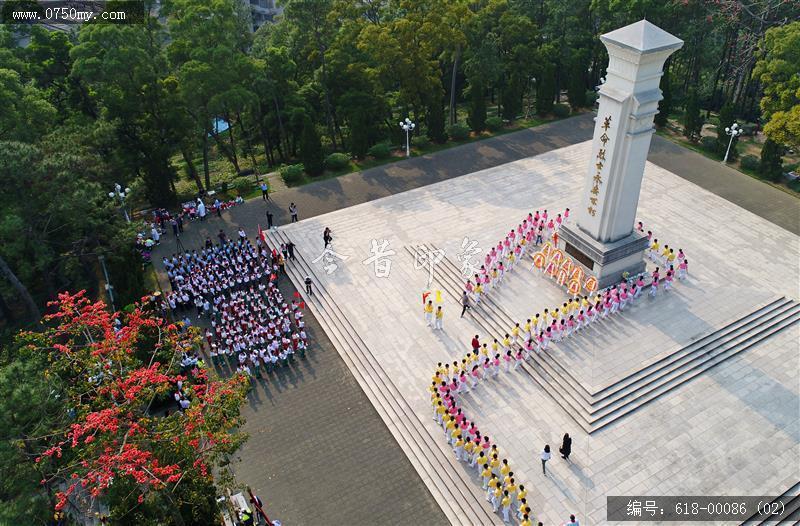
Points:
[(738, 262), (319, 454)]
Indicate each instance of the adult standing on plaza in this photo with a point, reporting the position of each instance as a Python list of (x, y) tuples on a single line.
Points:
[(326, 236), (465, 303), (566, 446), (269, 220), (264, 191), (545, 456), (201, 209), (293, 212)]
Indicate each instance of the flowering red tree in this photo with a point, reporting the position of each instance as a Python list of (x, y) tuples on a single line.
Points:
[(115, 446)]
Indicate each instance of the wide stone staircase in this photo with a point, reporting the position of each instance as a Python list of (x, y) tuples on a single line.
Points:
[(595, 410), (784, 511), (450, 482)]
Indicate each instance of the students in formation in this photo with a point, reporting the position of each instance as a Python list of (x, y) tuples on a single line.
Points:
[(484, 362), (233, 284), (509, 251)]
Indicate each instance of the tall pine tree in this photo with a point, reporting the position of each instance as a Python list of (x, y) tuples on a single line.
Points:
[(477, 106), (435, 121), (692, 121), (771, 165), (311, 149)]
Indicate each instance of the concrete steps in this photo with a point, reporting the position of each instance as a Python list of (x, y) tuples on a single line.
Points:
[(790, 514), (450, 482), (595, 410)]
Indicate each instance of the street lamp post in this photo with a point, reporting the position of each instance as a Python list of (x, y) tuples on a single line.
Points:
[(733, 131), (121, 194), (407, 125), (109, 288)]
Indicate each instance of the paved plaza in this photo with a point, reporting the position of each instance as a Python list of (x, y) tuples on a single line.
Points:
[(734, 430)]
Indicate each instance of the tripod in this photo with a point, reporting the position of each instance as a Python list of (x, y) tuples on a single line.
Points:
[(179, 244)]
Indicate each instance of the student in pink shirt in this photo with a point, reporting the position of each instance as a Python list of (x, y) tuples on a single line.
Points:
[(518, 359), (683, 268), (507, 359), (566, 215)]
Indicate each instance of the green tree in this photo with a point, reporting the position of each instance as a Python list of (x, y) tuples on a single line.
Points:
[(435, 121), (576, 84), (665, 104), (28, 409), (477, 106), (25, 113), (311, 149), (777, 70), (125, 67), (545, 88), (771, 165), (692, 121)]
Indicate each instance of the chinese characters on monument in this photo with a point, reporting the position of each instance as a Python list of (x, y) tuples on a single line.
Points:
[(601, 158)]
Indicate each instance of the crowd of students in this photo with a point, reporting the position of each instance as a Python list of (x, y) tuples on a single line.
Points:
[(233, 285), (532, 231), (486, 360)]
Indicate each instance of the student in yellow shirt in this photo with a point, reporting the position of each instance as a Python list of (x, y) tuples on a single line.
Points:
[(439, 318), (522, 492), (515, 332), (449, 426), (654, 250), (454, 434), (487, 475), (511, 488), (505, 469), (524, 509), (525, 521), (481, 459), (492, 485), (494, 464), (497, 497), (665, 254), (506, 343), (429, 313), (505, 505), (469, 450), (458, 447), (439, 412)]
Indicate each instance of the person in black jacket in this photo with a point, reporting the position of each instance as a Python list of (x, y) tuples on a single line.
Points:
[(566, 447)]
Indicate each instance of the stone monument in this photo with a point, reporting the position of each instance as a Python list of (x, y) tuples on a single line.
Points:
[(603, 238)]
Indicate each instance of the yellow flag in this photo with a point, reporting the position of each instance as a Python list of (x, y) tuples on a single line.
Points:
[(438, 296)]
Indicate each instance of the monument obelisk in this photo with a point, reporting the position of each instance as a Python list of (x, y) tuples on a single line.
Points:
[(603, 238)]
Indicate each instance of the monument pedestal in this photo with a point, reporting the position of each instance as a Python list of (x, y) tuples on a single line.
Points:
[(605, 261)]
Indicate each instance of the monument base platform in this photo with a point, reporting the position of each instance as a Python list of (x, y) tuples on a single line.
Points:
[(606, 261)]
